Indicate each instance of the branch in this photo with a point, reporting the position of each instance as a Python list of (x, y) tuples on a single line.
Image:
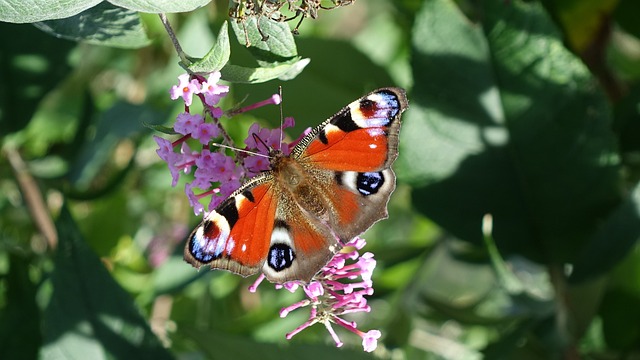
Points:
[(33, 198)]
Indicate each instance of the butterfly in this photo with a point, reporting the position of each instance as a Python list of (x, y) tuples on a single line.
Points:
[(289, 221)]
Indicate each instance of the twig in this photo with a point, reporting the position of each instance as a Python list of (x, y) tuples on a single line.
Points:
[(33, 198), (174, 39)]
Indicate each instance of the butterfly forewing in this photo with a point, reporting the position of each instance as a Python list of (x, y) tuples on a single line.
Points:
[(362, 137)]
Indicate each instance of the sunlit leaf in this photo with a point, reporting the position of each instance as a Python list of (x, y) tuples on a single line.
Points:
[(268, 41), (217, 57), (103, 24), (18, 11), (241, 74), (160, 6)]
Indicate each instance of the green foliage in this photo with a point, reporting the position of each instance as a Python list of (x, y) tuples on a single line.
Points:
[(88, 314), (103, 24), (523, 110), (21, 12)]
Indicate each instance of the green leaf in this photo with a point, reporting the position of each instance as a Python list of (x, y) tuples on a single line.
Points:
[(160, 6), (19, 11), (20, 335), (104, 24), (614, 239), (220, 345), (241, 74), (217, 57), (31, 64), (523, 135), (279, 45), (89, 316)]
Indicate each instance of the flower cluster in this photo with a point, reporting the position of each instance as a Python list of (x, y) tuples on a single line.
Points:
[(340, 288), (216, 173)]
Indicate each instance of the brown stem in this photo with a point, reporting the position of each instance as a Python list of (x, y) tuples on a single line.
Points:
[(33, 198)]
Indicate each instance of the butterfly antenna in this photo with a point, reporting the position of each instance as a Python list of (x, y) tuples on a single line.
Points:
[(240, 150), (257, 139), (281, 119)]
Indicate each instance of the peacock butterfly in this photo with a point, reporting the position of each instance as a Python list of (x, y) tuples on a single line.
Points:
[(289, 221)]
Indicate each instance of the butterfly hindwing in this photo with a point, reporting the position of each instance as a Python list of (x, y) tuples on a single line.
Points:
[(300, 246), (368, 194)]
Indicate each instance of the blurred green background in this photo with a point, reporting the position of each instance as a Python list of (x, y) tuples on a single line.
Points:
[(524, 110)]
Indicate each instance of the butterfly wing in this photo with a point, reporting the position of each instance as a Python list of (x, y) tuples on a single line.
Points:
[(356, 148), (362, 137), (236, 235)]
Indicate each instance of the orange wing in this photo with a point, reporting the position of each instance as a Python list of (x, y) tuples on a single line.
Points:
[(236, 236), (362, 137)]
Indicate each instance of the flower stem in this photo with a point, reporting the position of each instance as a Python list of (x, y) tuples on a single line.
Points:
[(174, 39)]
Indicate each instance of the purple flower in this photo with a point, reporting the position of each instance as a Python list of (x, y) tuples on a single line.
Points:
[(254, 164), (255, 136), (188, 157), (185, 89), (212, 91), (224, 167), (275, 99), (166, 153), (194, 200), (188, 124), (335, 292), (165, 150), (370, 340), (215, 201), (228, 187), (263, 140), (204, 132)]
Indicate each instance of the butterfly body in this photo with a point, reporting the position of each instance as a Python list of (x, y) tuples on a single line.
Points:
[(289, 221)]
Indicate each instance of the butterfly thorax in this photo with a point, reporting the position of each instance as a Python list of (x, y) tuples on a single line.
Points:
[(295, 180)]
